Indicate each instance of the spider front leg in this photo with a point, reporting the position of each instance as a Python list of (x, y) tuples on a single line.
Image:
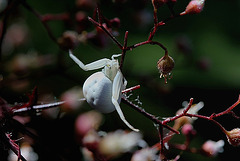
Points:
[(92, 66), (116, 92)]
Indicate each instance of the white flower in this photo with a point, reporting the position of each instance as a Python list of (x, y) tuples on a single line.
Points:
[(193, 110), (147, 154), (212, 148), (185, 119), (118, 142)]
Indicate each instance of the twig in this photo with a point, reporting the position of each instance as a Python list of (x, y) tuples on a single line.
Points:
[(28, 7), (148, 115), (227, 110), (184, 113), (42, 107), (124, 50), (106, 31)]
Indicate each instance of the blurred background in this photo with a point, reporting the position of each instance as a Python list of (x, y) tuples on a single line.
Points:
[(205, 48)]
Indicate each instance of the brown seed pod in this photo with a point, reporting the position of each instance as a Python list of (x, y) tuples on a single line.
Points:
[(165, 66)]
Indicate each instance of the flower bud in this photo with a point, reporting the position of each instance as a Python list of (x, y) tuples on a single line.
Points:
[(69, 40), (194, 7), (188, 130), (212, 148), (115, 22), (165, 66), (234, 136)]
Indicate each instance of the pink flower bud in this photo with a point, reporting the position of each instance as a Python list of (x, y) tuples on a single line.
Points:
[(194, 7), (212, 148), (188, 130), (234, 136)]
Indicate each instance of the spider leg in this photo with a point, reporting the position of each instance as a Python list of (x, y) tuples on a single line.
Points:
[(91, 66), (116, 89)]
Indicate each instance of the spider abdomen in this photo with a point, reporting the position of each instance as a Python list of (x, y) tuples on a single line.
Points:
[(97, 90)]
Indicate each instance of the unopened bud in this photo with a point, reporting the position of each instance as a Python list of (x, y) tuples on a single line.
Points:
[(234, 136), (188, 130), (165, 66), (194, 7), (115, 23), (69, 40)]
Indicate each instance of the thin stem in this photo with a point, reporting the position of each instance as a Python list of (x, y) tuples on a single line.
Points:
[(227, 110), (184, 113), (42, 107), (124, 50), (160, 130), (151, 43), (147, 115), (106, 31), (131, 89), (28, 7)]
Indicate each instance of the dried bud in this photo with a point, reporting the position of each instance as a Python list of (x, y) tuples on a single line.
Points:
[(194, 7), (234, 136), (158, 3), (165, 66), (115, 22), (69, 40)]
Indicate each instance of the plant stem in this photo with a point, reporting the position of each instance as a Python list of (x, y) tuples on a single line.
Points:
[(106, 31), (148, 115), (124, 50)]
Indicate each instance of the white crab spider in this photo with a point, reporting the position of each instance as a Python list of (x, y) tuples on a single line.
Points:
[(102, 90)]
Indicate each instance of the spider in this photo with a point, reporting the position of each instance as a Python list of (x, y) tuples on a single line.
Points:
[(103, 90)]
